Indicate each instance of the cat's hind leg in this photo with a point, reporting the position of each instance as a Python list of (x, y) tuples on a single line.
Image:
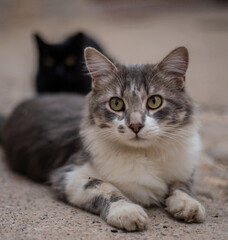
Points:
[(84, 189), (182, 205)]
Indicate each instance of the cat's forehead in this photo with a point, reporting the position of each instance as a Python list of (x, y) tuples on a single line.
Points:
[(138, 79), (59, 49)]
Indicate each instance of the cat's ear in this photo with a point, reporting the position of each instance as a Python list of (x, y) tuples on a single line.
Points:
[(39, 41), (38, 38), (175, 62), (77, 39), (80, 37), (100, 67)]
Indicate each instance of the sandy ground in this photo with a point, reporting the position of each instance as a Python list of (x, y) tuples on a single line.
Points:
[(131, 33)]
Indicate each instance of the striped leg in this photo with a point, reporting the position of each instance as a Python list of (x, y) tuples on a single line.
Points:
[(85, 190), (182, 205)]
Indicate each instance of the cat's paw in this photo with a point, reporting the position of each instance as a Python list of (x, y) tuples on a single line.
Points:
[(127, 216), (182, 206)]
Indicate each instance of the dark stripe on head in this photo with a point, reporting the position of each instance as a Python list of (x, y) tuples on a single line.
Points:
[(177, 104), (109, 116), (163, 114), (173, 122)]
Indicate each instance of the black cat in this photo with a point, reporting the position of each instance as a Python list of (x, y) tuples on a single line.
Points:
[(61, 66)]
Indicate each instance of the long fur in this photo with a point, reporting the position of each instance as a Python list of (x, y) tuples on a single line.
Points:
[(96, 160)]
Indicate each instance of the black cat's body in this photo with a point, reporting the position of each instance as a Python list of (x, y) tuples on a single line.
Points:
[(51, 124), (61, 67)]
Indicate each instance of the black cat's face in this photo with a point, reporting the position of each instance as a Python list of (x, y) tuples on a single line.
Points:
[(59, 61), (61, 65)]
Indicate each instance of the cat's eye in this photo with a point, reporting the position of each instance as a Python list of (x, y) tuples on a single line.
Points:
[(70, 61), (116, 104), (154, 102), (49, 62)]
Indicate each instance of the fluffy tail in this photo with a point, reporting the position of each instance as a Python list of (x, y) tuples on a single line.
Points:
[(2, 121)]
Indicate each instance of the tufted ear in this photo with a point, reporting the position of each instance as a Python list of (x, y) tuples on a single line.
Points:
[(176, 62), (100, 67)]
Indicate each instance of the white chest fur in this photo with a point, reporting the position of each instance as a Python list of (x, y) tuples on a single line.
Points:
[(143, 175)]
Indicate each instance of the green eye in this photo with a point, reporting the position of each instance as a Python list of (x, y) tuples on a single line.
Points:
[(116, 104), (154, 102)]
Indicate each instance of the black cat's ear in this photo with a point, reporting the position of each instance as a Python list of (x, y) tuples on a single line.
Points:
[(77, 39), (80, 37), (100, 67), (175, 62), (39, 40)]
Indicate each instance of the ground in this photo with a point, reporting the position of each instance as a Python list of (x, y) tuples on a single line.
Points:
[(132, 34)]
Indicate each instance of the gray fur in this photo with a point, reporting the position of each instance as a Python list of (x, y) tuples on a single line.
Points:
[(135, 83), (101, 205), (178, 101), (57, 180), (186, 187), (93, 183), (42, 136), (98, 205), (57, 176)]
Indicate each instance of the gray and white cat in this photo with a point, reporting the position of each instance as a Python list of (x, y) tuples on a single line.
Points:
[(136, 145)]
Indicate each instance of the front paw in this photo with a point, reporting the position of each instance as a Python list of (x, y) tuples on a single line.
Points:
[(127, 216), (182, 206)]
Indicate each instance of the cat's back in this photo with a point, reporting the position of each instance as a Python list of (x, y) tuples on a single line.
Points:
[(42, 133)]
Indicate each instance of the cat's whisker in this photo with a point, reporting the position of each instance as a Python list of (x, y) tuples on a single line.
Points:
[(176, 130), (177, 138), (176, 134)]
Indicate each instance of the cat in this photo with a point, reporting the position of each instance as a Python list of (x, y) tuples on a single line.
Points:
[(61, 66), (133, 143)]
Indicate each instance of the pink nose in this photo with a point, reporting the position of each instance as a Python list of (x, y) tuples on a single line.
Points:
[(136, 127)]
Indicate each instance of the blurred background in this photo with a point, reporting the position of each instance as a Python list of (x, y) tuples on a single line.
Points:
[(142, 31), (131, 31)]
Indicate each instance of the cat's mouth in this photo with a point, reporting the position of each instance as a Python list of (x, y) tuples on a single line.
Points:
[(137, 138)]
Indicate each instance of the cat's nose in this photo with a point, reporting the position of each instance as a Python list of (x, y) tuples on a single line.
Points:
[(136, 127)]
